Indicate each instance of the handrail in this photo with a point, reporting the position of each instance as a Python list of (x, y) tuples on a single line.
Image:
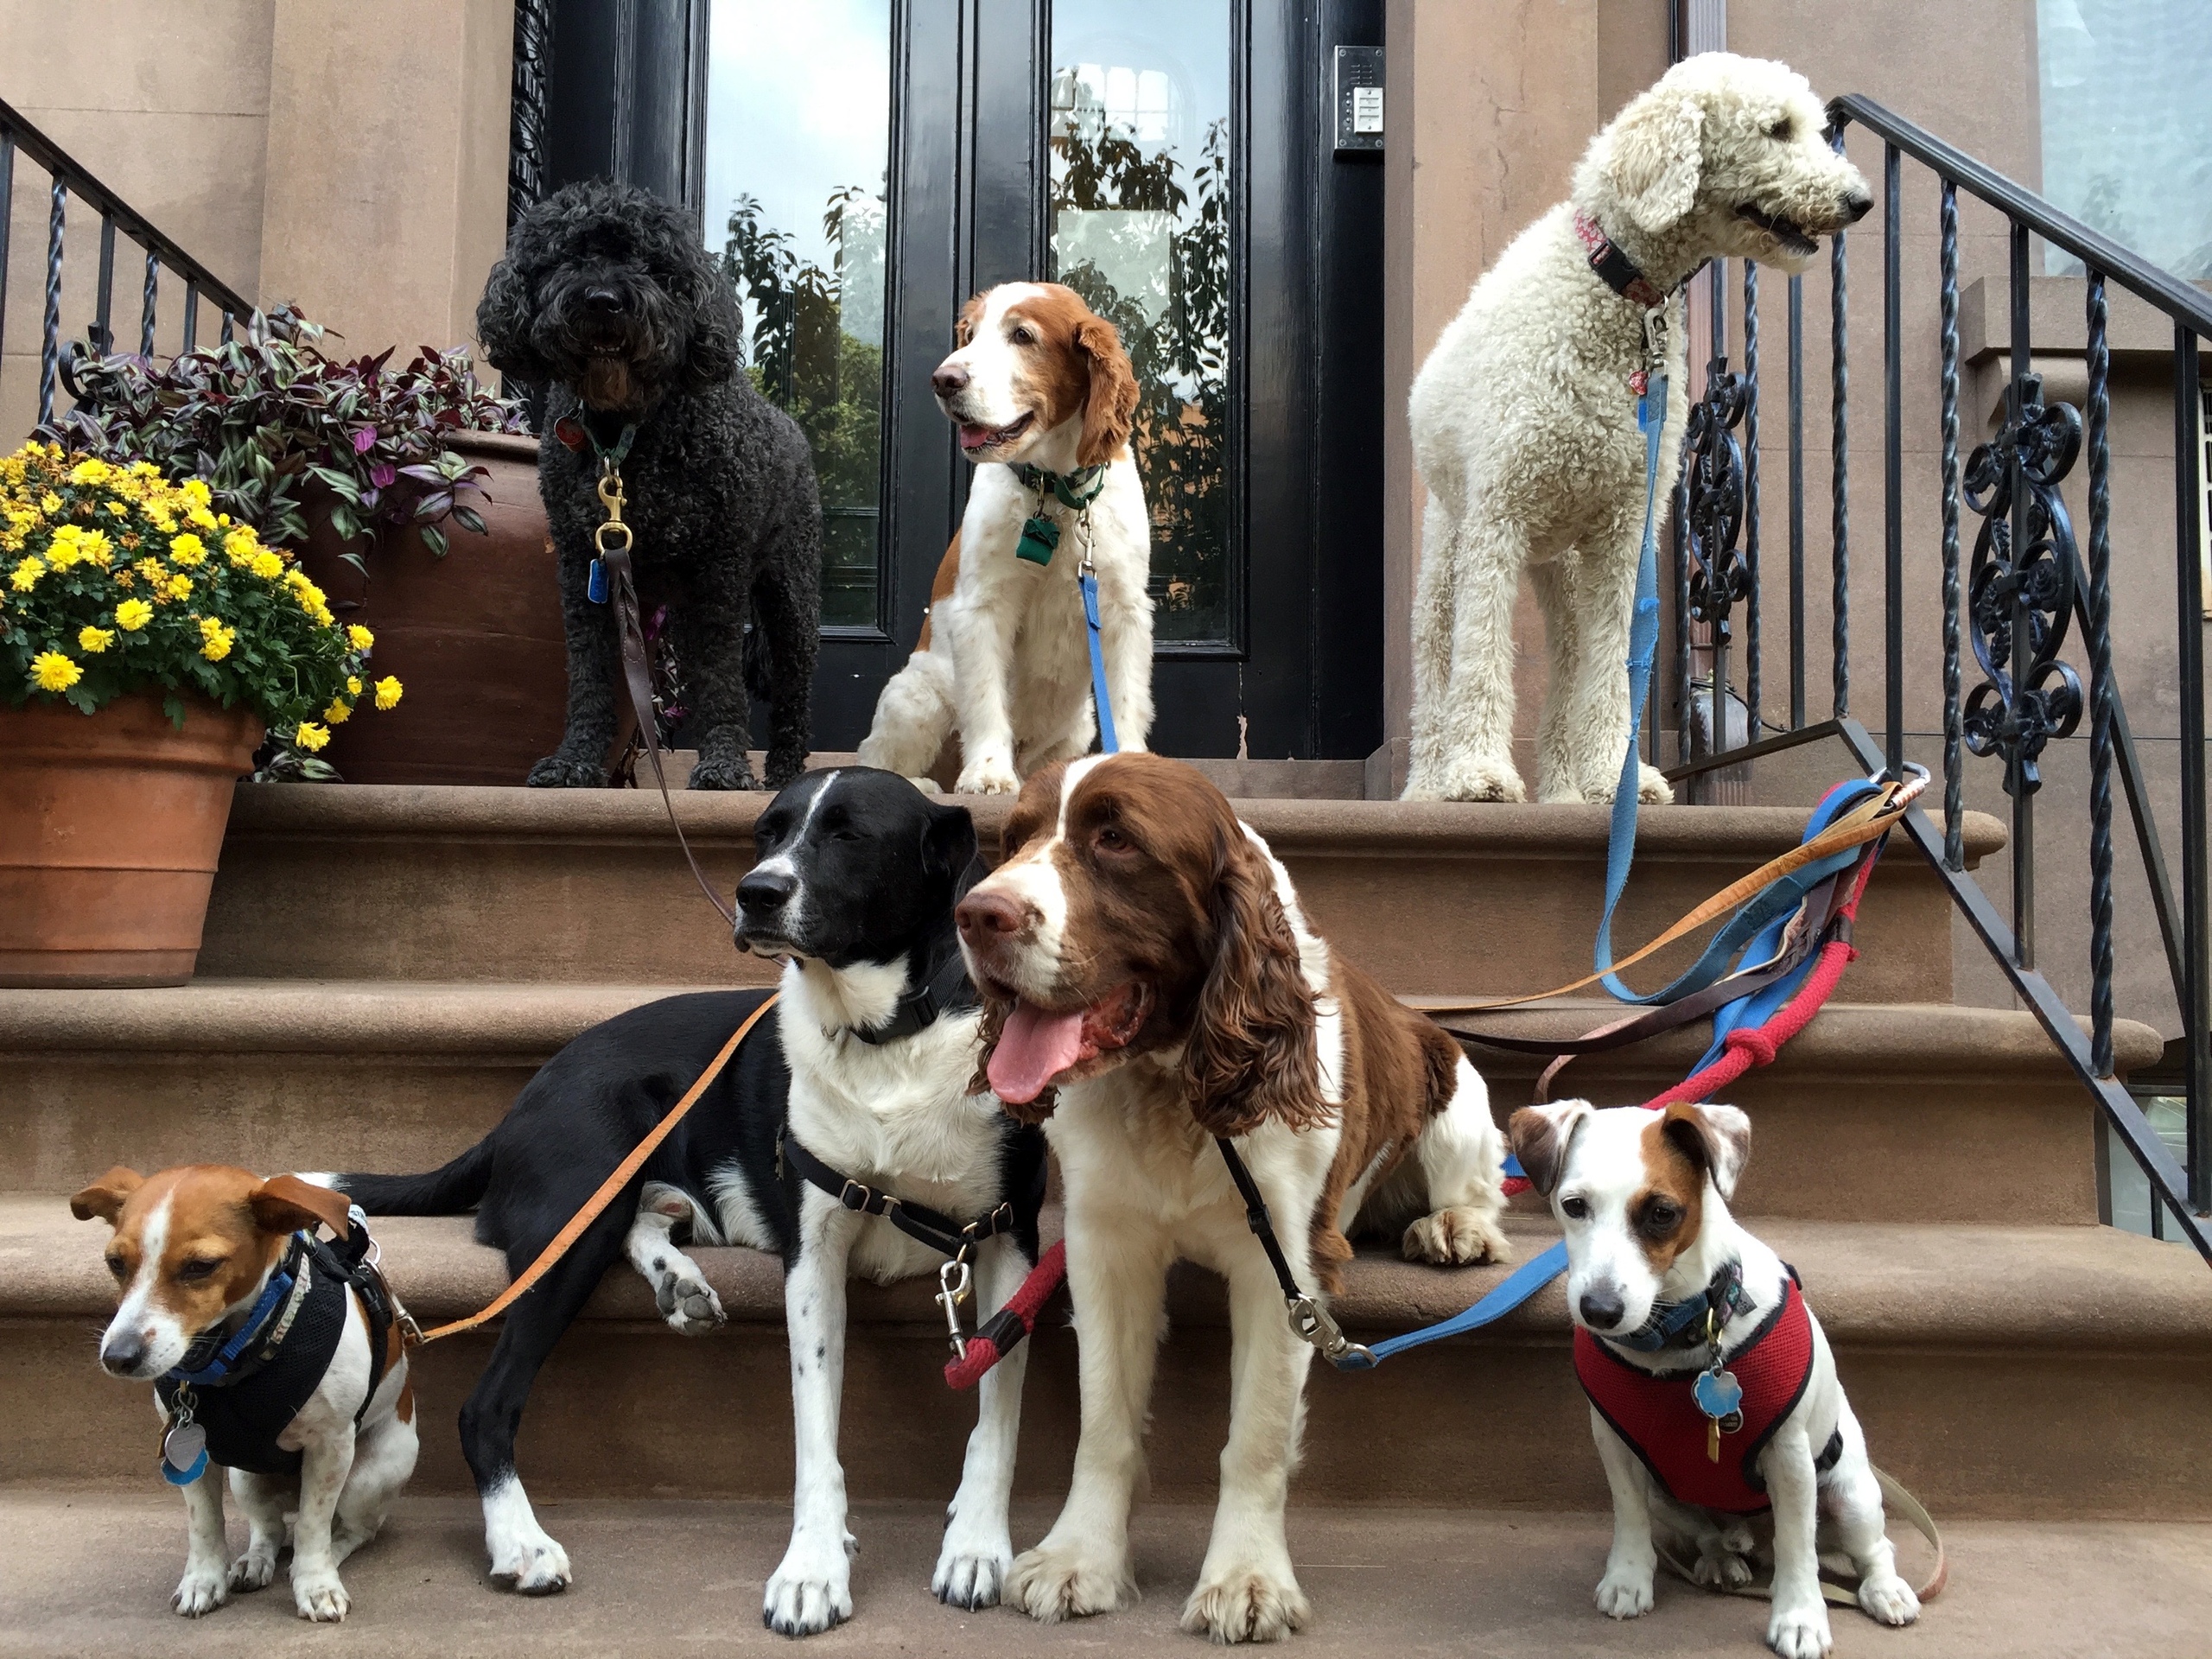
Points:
[(62, 166), (2176, 298)]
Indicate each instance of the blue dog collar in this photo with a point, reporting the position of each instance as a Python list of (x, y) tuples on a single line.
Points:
[(216, 1369)]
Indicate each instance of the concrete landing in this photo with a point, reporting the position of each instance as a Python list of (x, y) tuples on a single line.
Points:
[(91, 1574)]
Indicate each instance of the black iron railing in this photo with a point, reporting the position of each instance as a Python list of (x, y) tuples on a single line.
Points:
[(65, 178), (2025, 587)]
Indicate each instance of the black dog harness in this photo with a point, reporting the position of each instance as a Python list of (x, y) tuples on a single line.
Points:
[(242, 1390)]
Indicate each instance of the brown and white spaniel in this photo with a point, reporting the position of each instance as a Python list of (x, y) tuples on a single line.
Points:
[(1036, 379), (1149, 982)]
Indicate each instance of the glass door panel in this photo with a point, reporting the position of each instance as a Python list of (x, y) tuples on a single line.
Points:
[(798, 170), (1140, 216)]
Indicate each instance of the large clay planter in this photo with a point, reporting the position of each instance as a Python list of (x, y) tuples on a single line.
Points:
[(109, 828), (474, 638)]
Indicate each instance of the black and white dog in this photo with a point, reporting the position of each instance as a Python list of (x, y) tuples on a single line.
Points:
[(856, 1083)]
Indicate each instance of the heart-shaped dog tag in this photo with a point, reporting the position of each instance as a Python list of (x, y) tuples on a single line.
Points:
[(184, 1454), (1718, 1394)]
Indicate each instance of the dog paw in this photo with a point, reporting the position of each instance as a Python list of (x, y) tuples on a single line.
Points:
[(1800, 1632), (531, 1564), (1625, 1592), (1053, 1583), (1888, 1600), (688, 1303), (319, 1596), (1474, 780), (1247, 1604), (811, 1592), (1652, 787), (255, 1570), (1457, 1238), (971, 1577), (735, 772), (200, 1591), (554, 773), (1721, 1569), (988, 775)]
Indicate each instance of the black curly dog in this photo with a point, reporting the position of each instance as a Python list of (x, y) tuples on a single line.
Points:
[(606, 297)]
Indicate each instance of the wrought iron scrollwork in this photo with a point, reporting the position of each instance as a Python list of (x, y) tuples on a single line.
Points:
[(1713, 468), (2033, 584), (533, 68)]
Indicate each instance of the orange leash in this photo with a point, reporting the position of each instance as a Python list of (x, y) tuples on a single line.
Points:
[(598, 1201)]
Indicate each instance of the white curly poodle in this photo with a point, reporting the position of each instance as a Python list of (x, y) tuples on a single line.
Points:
[(1524, 415)]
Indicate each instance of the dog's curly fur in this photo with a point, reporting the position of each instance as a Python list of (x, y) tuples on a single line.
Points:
[(608, 297), (1524, 426)]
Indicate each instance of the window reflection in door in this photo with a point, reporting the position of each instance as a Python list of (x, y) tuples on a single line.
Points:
[(798, 154), (1141, 227)]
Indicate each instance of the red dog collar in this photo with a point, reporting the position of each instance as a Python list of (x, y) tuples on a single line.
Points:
[(1615, 268)]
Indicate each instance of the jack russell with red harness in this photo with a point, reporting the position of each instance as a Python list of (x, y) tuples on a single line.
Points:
[(1714, 1396)]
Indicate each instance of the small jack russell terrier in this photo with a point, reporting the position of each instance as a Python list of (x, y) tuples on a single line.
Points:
[(272, 1353), (1713, 1392)]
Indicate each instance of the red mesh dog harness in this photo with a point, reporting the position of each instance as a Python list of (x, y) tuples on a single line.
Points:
[(1654, 1414)]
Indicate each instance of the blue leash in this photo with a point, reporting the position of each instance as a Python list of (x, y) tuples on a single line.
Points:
[(1109, 742)]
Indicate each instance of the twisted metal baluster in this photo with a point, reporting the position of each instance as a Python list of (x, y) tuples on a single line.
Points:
[(2100, 685), (228, 323), (1953, 750), (1752, 687), (146, 313), (1839, 465), (1683, 691), (49, 351), (191, 313)]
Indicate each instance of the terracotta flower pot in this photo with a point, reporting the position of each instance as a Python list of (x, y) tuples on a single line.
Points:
[(474, 638), (109, 828)]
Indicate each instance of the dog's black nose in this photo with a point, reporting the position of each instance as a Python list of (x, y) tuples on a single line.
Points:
[(603, 302), (766, 892), (949, 379), (1601, 1307), (1857, 206), (122, 1352)]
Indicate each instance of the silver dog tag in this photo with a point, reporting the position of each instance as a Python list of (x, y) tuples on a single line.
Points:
[(183, 1446)]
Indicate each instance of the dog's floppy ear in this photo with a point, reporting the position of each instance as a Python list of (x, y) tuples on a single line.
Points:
[(1654, 155), (948, 840), (106, 1198), (1111, 403), (1540, 1136), (1251, 1055), (1717, 1139), (503, 320), (285, 1204), (718, 344), (963, 328)]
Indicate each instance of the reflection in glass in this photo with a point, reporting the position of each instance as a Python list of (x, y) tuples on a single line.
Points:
[(798, 145), (1140, 228)]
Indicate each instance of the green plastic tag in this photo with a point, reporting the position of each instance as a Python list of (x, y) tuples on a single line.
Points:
[(1039, 536)]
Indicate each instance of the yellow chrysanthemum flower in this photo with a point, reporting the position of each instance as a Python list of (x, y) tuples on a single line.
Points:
[(133, 615), (179, 587), (216, 640), (201, 517), (311, 736), (240, 545), (95, 546), (52, 671), (187, 549), (89, 471), (27, 573), (195, 491), (152, 571), (120, 509), (352, 685), (92, 641), (49, 503), (266, 565), (389, 692), (359, 638), (339, 713)]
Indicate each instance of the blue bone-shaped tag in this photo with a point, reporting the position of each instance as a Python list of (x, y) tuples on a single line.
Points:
[(1039, 536), (1718, 1394), (596, 589)]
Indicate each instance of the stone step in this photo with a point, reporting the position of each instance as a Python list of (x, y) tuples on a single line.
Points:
[(2025, 1372), (91, 1572), (1912, 1112), (406, 883)]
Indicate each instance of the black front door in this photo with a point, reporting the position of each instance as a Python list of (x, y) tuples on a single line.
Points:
[(868, 164)]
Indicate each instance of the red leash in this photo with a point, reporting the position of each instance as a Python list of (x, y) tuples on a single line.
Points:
[(1002, 1332)]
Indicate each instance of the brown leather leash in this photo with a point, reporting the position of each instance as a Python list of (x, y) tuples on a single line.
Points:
[(613, 540), (595, 1206), (1867, 821)]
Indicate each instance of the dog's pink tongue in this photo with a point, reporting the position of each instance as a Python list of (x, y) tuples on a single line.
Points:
[(1033, 1048)]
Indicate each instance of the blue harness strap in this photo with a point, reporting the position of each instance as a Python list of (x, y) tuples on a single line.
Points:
[(1109, 742)]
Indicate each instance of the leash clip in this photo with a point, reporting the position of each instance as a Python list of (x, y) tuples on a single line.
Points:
[(612, 497), (954, 1280), (1310, 1322)]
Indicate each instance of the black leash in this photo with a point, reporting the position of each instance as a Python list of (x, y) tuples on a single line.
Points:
[(1308, 1316)]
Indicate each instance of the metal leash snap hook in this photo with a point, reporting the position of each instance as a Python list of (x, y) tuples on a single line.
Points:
[(1310, 1322), (953, 1279)]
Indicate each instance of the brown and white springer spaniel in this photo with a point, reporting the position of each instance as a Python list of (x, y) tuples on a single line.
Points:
[(1150, 982), (1035, 378)]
